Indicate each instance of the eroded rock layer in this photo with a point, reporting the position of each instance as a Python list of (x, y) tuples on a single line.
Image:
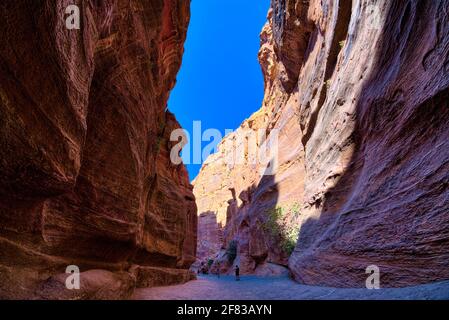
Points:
[(84, 146), (363, 144)]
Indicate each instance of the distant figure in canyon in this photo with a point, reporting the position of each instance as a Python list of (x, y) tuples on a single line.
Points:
[(237, 273), (218, 269)]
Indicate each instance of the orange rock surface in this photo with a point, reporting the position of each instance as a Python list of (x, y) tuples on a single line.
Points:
[(84, 145), (359, 92)]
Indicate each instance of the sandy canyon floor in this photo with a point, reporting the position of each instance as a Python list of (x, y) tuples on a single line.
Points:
[(281, 288)]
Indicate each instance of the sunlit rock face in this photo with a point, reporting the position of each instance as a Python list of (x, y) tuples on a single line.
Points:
[(363, 144), (84, 157), (240, 190)]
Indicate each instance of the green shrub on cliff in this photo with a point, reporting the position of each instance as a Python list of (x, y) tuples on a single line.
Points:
[(282, 224)]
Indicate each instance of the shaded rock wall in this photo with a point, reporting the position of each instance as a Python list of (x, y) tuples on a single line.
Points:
[(363, 143), (84, 141), (377, 154), (210, 235)]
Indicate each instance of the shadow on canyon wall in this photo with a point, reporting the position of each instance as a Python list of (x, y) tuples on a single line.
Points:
[(247, 226), (390, 205), (244, 233)]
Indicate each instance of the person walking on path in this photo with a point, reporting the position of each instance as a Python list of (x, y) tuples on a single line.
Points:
[(218, 269), (237, 273)]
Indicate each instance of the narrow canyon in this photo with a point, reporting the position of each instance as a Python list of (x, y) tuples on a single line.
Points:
[(356, 96)]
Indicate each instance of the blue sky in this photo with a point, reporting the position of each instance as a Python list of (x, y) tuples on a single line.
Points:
[(220, 82)]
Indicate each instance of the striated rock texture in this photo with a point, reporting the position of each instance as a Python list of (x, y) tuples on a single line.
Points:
[(86, 177), (359, 91)]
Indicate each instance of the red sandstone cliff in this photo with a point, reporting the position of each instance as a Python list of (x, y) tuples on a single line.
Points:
[(359, 92), (86, 177)]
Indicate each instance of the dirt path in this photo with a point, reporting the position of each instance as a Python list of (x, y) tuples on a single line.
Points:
[(256, 288)]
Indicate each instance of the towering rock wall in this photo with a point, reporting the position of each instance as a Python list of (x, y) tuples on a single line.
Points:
[(84, 148), (234, 183), (359, 92)]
